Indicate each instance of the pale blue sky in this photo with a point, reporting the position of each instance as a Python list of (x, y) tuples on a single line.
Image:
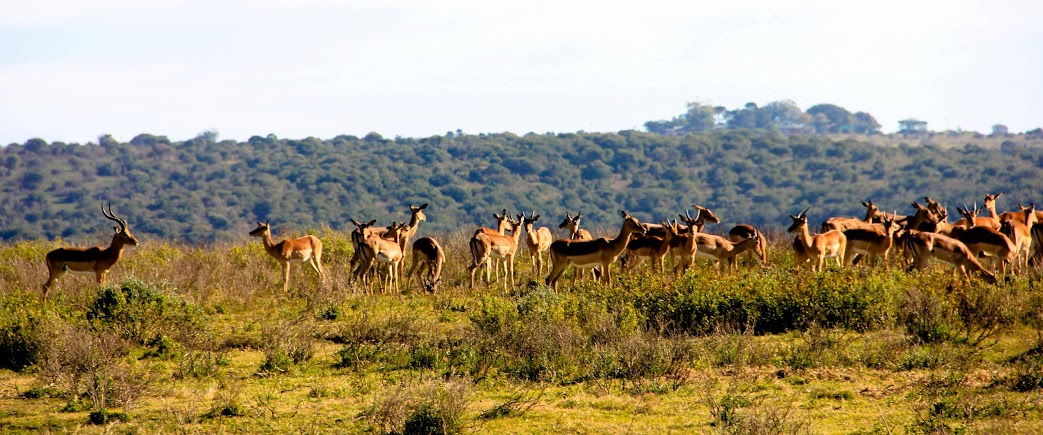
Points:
[(72, 70)]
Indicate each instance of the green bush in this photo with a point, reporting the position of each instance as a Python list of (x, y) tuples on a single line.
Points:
[(141, 313), (21, 332)]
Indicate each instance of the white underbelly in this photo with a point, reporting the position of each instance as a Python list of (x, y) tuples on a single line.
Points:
[(80, 272)]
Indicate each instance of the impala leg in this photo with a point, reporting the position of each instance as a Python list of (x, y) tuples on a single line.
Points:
[(557, 269), (285, 277)]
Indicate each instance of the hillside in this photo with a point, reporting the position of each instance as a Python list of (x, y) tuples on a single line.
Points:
[(205, 190)]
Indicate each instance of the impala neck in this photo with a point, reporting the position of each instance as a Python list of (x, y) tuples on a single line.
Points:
[(531, 236), (805, 236), (619, 243), (269, 245)]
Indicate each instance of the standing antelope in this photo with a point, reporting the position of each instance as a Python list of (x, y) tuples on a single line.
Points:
[(486, 246), (537, 241), (870, 241), (984, 239), (654, 248), (416, 215), (384, 251), (742, 232), (305, 249), (830, 244), (89, 261), (1019, 231), (587, 253), (718, 250), (427, 254), (571, 224), (683, 244)]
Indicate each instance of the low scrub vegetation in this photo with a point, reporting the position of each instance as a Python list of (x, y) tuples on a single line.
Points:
[(204, 340)]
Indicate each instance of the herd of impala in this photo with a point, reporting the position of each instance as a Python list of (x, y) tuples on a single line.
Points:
[(1009, 240)]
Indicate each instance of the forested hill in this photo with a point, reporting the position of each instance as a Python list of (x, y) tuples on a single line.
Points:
[(204, 190)]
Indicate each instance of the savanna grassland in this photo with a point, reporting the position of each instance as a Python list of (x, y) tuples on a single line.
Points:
[(190, 339)]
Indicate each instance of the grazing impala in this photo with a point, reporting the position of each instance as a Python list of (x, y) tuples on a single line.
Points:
[(922, 245), (538, 241), (305, 249), (585, 253), (427, 254), (496, 247), (983, 239), (89, 261), (830, 244)]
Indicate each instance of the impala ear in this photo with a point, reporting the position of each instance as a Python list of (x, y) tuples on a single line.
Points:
[(423, 206), (372, 222), (353, 221), (623, 213), (266, 223), (535, 218), (579, 215), (998, 195), (864, 204), (116, 229)]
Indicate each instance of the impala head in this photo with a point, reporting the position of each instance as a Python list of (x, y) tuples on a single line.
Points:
[(671, 230), (934, 206), (872, 212), (123, 234), (395, 230), (429, 285), (570, 221), (706, 214), (262, 230), (631, 223), (418, 211), (990, 200), (890, 226), (528, 221), (362, 226), (1030, 214), (970, 214), (799, 221)]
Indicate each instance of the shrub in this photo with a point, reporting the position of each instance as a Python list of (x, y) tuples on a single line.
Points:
[(925, 317), (141, 313), (21, 332), (288, 344)]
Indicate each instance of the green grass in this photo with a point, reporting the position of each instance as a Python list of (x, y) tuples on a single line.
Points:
[(188, 339)]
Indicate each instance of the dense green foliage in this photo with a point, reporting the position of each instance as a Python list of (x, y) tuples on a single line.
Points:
[(204, 190)]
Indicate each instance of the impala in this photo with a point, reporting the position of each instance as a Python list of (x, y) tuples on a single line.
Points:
[(683, 244), (571, 224), (377, 249), (921, 246), (586, 253), (985, 239), (719, 250), (703, 215), (654, 248), (427, 254), (494, 246), (537, 241), (870, 242), (979, 221), (830, 244), (742, 232), (874, 215), (1019, 231), (305, 249), (89, 261), (416, 216)]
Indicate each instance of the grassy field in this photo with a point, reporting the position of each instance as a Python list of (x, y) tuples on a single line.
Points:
[(202, 340)]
